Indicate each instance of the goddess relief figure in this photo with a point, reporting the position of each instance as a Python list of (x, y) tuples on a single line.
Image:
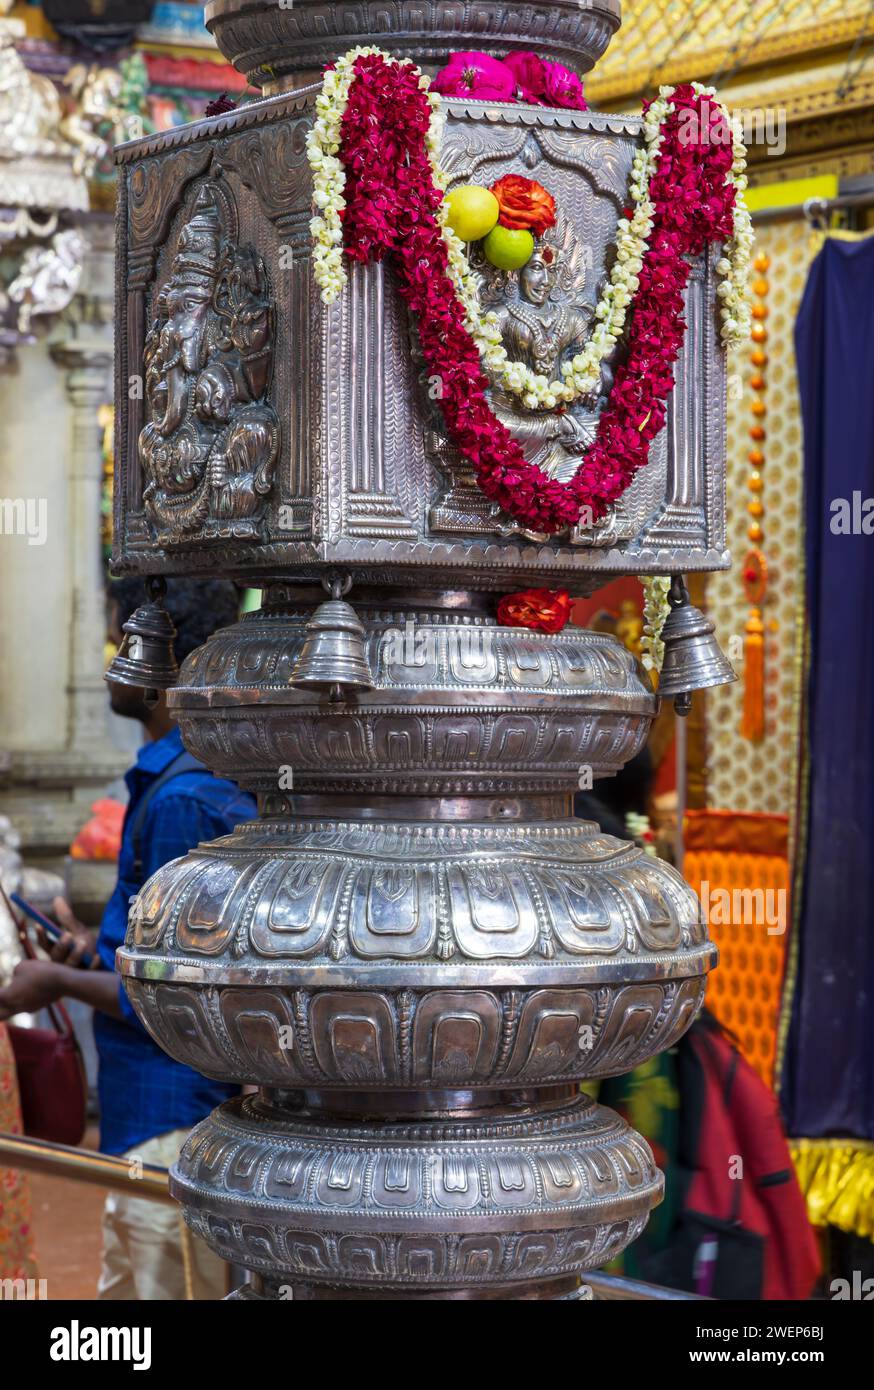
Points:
[(544, 323), (545, 320)]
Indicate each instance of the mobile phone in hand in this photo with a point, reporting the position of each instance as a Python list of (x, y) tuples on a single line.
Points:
[(51, 929)]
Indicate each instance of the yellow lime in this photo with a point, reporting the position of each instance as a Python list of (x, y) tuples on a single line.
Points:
[(509, 248), (473, 211)]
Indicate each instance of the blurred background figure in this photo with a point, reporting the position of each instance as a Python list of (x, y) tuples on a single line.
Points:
[(733, 1224), (17, 1257), (148, 1102)]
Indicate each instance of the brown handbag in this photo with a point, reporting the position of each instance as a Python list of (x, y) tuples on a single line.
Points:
[(51, 1073)]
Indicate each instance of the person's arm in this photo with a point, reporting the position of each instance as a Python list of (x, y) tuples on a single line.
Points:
[(37, 983), (76, 942), (173, 826)]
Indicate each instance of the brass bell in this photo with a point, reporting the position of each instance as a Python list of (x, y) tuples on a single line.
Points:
[(693, 658), (146, 657), (332, 657)]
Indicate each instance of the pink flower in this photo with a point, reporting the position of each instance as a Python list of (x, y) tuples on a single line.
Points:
[(561, 87), (475, 75), (220, 105), (530, 77)]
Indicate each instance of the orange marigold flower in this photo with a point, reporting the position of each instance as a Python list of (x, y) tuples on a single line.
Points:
[(525, 204)]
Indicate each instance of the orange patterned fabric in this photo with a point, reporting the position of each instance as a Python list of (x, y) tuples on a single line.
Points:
[(743, 832), (16, 1235), (745, 892)]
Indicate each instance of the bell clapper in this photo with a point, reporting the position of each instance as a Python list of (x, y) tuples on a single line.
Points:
[(692, 659), (678, 597)]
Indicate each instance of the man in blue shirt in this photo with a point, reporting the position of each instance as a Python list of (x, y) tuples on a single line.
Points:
[(148, 1102)]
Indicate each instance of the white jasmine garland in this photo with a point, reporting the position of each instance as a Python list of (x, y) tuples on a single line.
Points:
[(655, 610), (733, 266), (582, 375), (329, 176)]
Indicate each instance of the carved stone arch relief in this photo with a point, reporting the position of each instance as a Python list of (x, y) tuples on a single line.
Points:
[(156, 187), (271, 161), (604, 162), (468, 158)]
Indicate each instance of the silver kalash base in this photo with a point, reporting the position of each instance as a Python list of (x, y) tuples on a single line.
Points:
[(466, 1192), (417, 955)]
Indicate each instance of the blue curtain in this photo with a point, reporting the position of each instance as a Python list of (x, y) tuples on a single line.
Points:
[(828, 1077)]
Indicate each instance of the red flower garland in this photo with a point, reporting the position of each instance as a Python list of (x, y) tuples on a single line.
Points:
[(392, 204)]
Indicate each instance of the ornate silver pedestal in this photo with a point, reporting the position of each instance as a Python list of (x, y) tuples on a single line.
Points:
[(415, 952), (417, 955)]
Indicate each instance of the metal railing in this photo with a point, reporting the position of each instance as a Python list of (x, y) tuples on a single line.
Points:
[(84, 1165)]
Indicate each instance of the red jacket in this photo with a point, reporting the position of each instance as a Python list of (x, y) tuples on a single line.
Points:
[(741, 1181)]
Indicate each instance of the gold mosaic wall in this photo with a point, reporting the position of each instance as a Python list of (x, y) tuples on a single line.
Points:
[(664, 41), (743, 776)]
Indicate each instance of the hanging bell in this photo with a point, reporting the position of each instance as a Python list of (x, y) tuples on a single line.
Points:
[(146, 657), (332, 657), (693, 659)]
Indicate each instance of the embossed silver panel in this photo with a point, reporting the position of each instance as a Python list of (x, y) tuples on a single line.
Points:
[(330, 954), (423, 729), (365, 483), (275, 1035), (554, 902)]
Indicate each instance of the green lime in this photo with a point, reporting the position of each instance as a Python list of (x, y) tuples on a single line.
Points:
[(508, 248)]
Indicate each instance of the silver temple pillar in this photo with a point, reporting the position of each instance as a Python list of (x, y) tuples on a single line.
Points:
[(415, 952)]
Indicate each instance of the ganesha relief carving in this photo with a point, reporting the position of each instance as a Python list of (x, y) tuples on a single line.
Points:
[(209, 447)]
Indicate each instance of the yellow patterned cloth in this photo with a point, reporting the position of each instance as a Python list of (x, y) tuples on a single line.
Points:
[(760, 776), (662, 41), (17, 1259)]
